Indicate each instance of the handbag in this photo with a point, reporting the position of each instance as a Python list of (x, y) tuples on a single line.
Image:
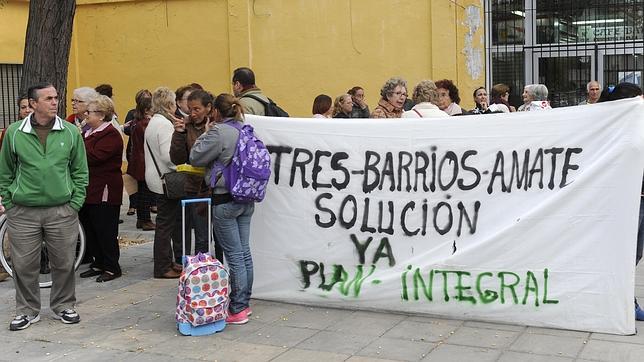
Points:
[(130, 184), (174, 185), (173, 182)]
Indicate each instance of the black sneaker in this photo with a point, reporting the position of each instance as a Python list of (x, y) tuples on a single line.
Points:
[(68, 316), (23, 321)]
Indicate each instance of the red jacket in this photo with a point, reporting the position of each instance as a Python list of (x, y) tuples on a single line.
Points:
[(104, 158), (71, 118), (136, 165)]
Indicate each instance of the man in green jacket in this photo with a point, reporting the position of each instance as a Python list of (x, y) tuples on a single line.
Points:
[(43, 180)]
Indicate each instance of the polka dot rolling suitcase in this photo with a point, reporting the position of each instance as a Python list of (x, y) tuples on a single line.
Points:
[(202, 298)]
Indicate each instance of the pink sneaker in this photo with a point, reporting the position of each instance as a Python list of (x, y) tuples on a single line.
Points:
[(249, 312), (238, 318)]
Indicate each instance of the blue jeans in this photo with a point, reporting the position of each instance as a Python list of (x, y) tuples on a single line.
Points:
[(231, 222)]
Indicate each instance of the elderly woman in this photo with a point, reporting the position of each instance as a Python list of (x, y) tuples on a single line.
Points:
[(392, 98), (158, 136), (80, 98), (535, 97), (322, 107), (527, 98), (100, 213), (425, 97), (448, 98), (342, 106)]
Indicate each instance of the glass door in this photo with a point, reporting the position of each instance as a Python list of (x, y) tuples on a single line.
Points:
[(565, 74), (618, 66)]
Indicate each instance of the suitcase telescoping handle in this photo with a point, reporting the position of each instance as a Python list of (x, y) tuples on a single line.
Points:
[(183, 222)]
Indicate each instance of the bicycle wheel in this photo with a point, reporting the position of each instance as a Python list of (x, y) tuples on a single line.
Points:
[(45, 274)]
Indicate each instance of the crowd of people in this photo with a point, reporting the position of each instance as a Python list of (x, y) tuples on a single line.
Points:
[(431, 99), (167, 128)]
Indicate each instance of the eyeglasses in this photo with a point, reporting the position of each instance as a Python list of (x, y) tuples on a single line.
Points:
[(77, 101), (400, 94), (88, 112)]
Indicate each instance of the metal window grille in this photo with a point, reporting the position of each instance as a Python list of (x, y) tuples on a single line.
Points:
[(10, 76), (564, 44)]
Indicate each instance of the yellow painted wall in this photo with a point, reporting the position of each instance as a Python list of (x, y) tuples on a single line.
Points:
[(145, 44), (13, 27), (298, 48)]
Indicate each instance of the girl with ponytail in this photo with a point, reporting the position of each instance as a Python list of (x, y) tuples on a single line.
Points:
[(230, 220)]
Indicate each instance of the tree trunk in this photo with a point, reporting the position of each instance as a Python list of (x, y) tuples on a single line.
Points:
[(49, 35)]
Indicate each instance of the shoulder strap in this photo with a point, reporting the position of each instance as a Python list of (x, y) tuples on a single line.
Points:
[(218, 166), (153, 160), (257, 99), (418, 113), (233, 123)]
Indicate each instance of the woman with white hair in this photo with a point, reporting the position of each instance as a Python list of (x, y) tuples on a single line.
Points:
[(425, 98), (100, 212), (80, 99), (535, 97), (158, 137)]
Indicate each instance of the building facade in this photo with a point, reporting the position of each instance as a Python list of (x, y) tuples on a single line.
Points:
[(564, 44), (301, 48), (298, 48)]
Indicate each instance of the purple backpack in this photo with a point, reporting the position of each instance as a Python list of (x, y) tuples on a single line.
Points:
[(247, 174)]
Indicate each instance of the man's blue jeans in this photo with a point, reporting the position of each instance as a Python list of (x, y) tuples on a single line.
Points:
[(231, 222)]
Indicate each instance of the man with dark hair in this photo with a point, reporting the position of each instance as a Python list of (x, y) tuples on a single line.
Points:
[(620, 91), (245, 89), (43, 147)]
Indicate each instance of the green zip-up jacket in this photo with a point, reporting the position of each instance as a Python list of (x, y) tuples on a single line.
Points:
[(37, 176)]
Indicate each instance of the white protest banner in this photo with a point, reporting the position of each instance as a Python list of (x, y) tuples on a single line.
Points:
[(526, 218)]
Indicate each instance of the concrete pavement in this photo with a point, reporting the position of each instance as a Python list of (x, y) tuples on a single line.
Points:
[(133, 318)]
